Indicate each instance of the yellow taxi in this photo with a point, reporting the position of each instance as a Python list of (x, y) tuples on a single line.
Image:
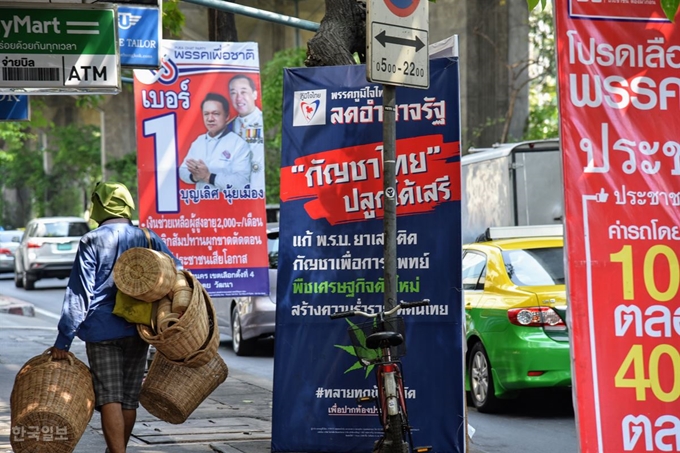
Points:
[(515, 309)]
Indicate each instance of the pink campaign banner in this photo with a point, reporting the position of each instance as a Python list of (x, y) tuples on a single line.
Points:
[(200, 157), (619, 101)]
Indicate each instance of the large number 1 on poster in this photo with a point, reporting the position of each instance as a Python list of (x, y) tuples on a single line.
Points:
[(636, 355), (163, 130)]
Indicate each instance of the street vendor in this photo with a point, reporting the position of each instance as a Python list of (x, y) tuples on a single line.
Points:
[(116, 353)]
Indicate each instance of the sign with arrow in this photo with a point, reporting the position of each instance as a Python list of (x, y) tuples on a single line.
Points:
[(396, 44)]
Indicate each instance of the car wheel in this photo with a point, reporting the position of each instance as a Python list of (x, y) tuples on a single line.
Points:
[(28, 281), (241, 347), (18, 280), (481, 381)]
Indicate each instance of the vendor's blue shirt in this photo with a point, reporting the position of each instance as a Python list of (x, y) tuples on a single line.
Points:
[(91, 292)]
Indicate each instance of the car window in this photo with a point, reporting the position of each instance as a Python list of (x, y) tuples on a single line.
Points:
[(30, 230), (474, 268), (273, 249), (61, 229), (10, 236), (535, 267)]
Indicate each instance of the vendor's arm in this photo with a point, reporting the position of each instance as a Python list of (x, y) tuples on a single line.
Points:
[(78, 296)]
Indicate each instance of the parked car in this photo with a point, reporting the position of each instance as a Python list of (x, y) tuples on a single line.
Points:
[(249, 318), (9, 242), (47, 249), (515, 310)]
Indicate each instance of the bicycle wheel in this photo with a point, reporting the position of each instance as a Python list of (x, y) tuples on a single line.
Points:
[(394, 436)]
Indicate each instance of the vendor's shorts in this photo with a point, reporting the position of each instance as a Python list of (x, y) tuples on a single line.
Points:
[(117, 368)]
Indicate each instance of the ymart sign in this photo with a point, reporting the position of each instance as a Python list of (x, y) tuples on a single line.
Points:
[(59, 49)]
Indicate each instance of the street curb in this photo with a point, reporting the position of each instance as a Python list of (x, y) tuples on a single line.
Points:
[(12, 306)]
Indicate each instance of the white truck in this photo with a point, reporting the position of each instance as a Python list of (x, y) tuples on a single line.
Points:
[(511, 184)]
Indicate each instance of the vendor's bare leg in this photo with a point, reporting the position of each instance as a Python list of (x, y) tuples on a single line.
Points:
[(129, 417), (114, 427)]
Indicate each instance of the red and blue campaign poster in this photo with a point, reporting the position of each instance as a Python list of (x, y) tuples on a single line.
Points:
[(619, 95), (331, 258), (200, 153)]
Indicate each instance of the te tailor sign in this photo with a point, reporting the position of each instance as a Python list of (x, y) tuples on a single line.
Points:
[(617, 69), (139, 35), (14, 108), (53, 49)]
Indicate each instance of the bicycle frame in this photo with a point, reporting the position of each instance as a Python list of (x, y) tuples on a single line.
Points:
[(391, 399)]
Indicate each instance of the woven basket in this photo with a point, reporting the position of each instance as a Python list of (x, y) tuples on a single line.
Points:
[(54, 399), (172, 392), (212, 344), (144, 273), (187, 335), (181, 297)]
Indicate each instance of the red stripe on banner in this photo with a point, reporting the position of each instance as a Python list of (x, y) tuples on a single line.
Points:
[(345, 185)]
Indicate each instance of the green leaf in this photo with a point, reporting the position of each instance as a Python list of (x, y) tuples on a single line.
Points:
[(347, 349), (357, 365), (670, 7), (533, 3)]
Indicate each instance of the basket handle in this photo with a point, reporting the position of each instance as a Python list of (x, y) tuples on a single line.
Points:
[(148, 237), (70, 356)]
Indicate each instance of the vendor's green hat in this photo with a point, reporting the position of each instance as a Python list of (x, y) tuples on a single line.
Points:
[(111, 200)]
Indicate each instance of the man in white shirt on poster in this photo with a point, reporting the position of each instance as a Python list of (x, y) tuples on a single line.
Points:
[(219, 158), (249, 124)]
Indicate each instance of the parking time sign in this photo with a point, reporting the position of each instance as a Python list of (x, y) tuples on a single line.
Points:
[(397, 43)]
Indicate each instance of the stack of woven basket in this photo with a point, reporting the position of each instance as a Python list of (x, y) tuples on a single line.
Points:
[(184, 331)]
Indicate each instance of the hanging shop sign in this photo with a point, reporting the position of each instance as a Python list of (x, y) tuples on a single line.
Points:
[(14, 108), (59, 49), (139, 35)]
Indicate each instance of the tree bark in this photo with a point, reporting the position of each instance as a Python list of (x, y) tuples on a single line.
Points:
[(342, 33), (221, 26)]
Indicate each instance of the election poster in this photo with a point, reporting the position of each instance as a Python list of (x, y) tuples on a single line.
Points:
[(331, 258), (619, 92), (200, 157)]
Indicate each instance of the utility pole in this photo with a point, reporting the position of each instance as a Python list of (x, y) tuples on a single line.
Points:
[(394, 41)]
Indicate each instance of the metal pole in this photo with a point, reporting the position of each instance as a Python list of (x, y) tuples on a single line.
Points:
[(257, 13), (390, 195)]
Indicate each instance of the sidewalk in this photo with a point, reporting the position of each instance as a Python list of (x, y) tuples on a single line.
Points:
[(236, 417)]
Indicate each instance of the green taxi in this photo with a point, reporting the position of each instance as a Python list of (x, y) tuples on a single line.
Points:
[(515, 314)]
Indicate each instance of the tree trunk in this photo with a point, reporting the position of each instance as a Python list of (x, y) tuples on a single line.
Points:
[(342, 33), (221, 26)]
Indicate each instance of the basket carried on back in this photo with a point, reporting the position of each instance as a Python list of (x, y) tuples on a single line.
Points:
[(211, 345), (187, 334), (172, 392), (144, 273), (51, 404)]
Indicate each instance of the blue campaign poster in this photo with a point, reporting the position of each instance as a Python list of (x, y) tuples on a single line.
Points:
[(331, 257)]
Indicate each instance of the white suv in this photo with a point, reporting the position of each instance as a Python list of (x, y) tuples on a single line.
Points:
[(47, 249)]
